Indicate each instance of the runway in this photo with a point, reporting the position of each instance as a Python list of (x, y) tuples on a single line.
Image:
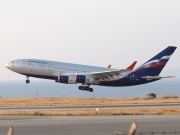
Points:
[(89, 107), (89, 125)]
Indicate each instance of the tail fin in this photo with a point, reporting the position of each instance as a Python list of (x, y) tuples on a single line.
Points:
[(155, 65)]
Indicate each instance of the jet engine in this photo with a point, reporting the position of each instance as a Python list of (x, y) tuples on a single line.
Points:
[(86, 79), (66, 79)]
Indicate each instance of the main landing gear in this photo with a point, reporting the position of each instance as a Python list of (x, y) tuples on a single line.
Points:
[(87, 88), (27, 81)]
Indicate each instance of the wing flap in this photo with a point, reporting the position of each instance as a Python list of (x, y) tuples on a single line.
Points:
[(108, 74)]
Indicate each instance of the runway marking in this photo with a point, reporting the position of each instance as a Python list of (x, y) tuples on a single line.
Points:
[(22, 120)]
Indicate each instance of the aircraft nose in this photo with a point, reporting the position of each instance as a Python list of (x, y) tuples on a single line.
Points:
[(7, 65)]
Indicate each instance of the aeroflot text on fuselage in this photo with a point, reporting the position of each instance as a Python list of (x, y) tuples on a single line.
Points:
[(69, 73)]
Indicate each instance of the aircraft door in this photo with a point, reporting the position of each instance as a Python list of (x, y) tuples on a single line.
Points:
[(23, 64), (50, 67)]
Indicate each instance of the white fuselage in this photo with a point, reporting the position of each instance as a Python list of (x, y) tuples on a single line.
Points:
[(35, 67)]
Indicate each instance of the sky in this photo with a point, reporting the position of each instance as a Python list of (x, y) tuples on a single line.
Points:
[(90, 32)]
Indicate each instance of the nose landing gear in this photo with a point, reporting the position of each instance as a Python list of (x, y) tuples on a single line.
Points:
[(87, 88), (27, 81)]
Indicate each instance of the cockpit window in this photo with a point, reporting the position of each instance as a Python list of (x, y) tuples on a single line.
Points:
[(13, 62)]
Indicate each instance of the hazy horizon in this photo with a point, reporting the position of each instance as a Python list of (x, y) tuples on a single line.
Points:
[(46, 88)]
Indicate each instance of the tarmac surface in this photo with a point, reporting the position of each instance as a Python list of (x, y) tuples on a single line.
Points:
[(89, 107), (90, 125)]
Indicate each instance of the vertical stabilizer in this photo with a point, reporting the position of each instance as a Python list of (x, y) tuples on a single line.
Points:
[(155, 65)]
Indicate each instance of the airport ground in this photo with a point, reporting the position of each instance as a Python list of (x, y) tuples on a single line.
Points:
[(79, 116), (90, 125), (87, 106), (10, 102)]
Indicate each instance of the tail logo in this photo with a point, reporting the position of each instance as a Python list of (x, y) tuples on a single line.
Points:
[(155, 63)]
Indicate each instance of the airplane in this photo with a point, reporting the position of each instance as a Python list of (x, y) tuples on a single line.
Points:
[(69, 73)]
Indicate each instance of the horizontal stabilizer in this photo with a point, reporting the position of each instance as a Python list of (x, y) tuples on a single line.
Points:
[(157, 77)]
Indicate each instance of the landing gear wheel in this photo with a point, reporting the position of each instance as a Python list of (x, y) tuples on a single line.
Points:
[(87, 88), (27, 81), (80, 87), (91, 90), (83, 88)]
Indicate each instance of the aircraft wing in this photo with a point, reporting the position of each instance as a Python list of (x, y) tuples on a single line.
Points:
[(113, 73), (98, 75), (108, 74), (104, 75)]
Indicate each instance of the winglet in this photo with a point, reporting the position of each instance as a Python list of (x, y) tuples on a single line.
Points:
[(132, 65), (109, 66)]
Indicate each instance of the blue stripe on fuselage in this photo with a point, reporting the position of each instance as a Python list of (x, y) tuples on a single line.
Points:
[(126, 82)]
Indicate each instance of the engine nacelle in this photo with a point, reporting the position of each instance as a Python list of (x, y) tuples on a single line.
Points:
[(66, 79), (86, 79)]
